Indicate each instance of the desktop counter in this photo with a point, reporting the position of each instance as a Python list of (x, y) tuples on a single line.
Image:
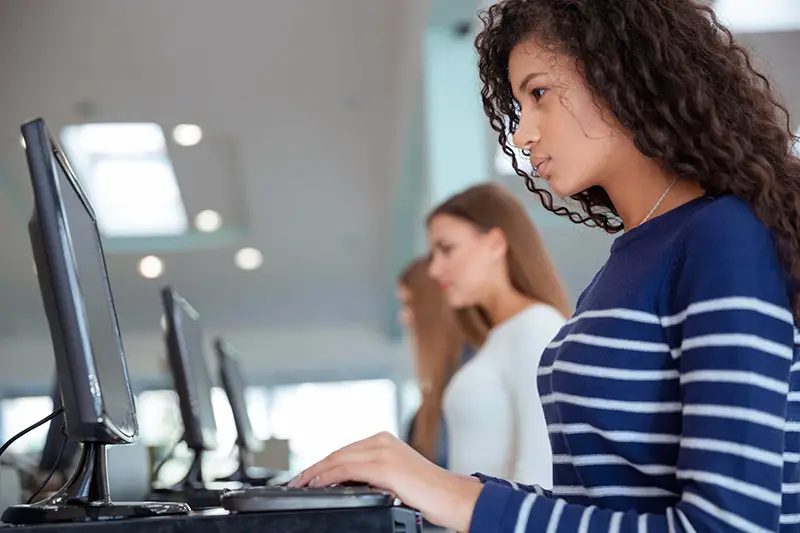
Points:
[(366, 520)]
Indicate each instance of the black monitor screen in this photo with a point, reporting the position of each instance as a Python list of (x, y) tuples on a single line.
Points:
[(190, 371), (193, 337), (90, 361), (232, 377), (96, 301)]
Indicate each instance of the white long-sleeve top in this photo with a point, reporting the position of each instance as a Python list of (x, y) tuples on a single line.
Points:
[(495, 421)]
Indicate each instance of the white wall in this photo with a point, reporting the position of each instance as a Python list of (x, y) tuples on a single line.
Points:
[(270, 356)]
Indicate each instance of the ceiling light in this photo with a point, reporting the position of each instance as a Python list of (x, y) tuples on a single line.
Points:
[(747, 16), (151, 267), (248, 259), (187, 134), (208, 221)]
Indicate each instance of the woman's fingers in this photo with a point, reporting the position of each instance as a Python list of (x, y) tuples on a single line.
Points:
[(361, 472), (352, 454)]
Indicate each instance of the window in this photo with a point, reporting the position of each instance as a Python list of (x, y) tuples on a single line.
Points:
[(161, 426), (128, 177), (318, 418), (747, 16), (19, 413), (159, 417)]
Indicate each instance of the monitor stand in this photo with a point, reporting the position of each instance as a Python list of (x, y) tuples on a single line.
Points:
[(86, 497), (246, 473), (193, 490)]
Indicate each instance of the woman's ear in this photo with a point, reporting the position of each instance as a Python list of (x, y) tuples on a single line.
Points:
[(498, 244)]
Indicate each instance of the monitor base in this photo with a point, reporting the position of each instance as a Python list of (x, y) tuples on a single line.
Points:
[(85, 497), (249, 474), (198, 498), (192, 489), (44, 513), (252, 476)]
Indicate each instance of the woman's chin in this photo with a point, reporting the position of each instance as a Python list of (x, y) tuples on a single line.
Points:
[(562, 188), (457, 302)]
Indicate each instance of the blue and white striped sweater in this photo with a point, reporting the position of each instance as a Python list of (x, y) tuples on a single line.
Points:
[(672, 396)]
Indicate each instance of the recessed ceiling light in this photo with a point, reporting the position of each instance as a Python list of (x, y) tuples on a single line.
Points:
[(248, 259), (208, 221), (187, 134), (151, 267)]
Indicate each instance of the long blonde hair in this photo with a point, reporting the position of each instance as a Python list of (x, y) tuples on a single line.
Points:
[(530, 270), (438, 348)]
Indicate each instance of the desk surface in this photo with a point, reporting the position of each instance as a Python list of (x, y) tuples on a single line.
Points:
[(370, 520)]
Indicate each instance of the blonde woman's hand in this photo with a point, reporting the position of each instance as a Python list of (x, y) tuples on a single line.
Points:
[(382, 461)]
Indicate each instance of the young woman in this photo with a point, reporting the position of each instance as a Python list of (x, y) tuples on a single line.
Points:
[(438, 350), (673, 395), (494, 270)]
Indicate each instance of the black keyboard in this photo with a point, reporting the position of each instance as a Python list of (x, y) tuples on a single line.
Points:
[(283, 498)]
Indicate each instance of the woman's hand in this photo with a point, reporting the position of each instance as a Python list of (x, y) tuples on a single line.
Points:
[(444, 498)]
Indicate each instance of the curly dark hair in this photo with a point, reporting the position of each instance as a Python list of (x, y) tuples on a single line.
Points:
[(674, 76)]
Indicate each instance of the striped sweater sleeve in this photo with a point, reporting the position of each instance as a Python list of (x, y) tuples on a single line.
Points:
[(535, 489), (727, 317)]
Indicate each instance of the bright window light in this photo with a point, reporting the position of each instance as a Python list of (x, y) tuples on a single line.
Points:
[(17, 414), (748, 16), (129, 178), (319, 417)]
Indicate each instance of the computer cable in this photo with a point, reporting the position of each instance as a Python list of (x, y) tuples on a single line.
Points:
[(30, 428), (55, 467)]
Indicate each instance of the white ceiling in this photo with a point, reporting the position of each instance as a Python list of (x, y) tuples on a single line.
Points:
[(301, 103)]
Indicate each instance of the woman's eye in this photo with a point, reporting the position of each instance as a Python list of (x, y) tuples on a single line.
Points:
[(538, 93)]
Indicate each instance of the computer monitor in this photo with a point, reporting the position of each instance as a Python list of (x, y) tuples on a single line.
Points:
[(52, 458), (90, 362), (184, 340), (231, 376)]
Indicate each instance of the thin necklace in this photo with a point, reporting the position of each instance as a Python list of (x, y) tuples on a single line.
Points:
[(658, 203)]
